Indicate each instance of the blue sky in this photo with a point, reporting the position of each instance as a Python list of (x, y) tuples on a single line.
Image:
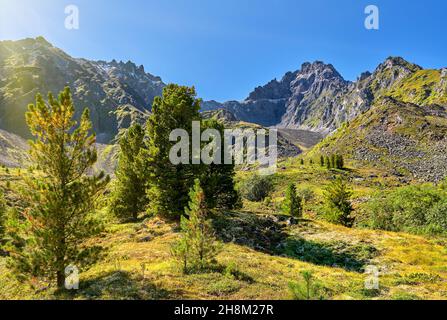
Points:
[(226, 48)]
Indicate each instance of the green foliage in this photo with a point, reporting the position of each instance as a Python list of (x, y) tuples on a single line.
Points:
[(2, 218), (169, 183), (327, 162), (256, 187), (416, 209), (307, 289), (217, 180), (337, 205), (129, 195), (307, 194), (197, 247), (334, 161), (52, 233), (293, 203), (339, 162)]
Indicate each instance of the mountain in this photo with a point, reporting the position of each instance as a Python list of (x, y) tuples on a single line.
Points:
[(317, 97), (113, 91)]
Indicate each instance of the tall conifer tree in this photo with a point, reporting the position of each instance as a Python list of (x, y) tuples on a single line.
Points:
[(54, 230), (170, 183), (129, 196)]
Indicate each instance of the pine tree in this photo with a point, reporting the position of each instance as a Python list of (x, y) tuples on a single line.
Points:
[(169, 183), (293, 204), (327, 162), (333, 161), (302, 162), (340, 162), (181, 250), (217, 180), (2, 219), (322, 161), (129, 194), (54, 229), (338, 207), (197, 246)]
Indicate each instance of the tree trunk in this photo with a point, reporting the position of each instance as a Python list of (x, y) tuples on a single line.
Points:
[(60, 279)]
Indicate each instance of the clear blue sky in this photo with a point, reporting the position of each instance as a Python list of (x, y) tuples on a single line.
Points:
[(226, 48)]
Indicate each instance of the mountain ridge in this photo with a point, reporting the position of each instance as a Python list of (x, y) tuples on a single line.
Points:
[(30, 66), (317, 97)]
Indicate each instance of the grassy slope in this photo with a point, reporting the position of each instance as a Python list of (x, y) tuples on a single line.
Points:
[(412, 266)]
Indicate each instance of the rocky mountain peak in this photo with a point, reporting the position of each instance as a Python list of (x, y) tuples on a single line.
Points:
[(363, 76), (397, 64), (319, 67)]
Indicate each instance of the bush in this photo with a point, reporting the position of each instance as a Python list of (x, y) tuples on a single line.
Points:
[(256, 188), (307, 194), (415, 209)]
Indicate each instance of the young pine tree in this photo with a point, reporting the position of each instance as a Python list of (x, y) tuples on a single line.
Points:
[(293, 205), (54, 229), (197, 247), (322, 161), (129, 194), (170, 183), (338, 207)]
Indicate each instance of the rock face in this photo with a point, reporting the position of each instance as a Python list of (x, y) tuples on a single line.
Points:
[(317, 98), (113, 91)]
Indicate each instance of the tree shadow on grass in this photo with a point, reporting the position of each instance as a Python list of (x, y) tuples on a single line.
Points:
[(118, 285), (268, 234), (337, 254)]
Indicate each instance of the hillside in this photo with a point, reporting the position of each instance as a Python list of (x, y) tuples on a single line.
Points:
[(137, 263), (13, 150), (404, 131), (291, 142)]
